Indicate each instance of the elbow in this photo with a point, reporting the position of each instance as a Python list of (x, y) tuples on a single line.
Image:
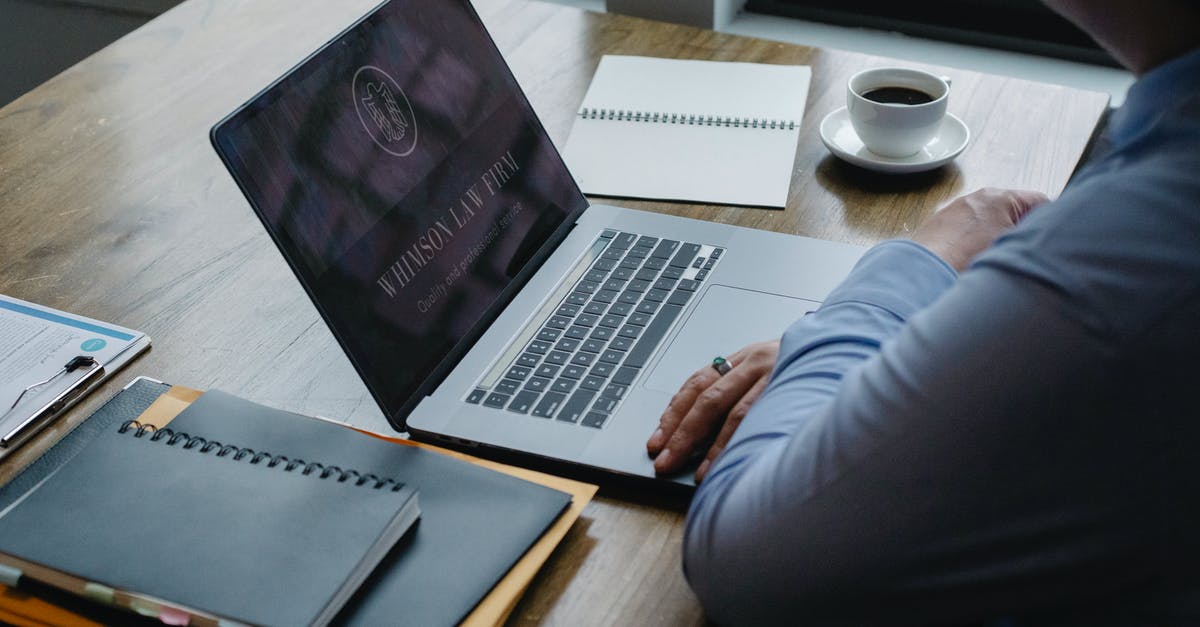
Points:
[(753, 569)]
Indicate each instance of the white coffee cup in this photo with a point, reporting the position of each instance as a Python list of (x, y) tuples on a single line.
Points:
[(895, 127)]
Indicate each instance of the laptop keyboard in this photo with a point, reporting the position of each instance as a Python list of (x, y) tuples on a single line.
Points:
[(574, 362)]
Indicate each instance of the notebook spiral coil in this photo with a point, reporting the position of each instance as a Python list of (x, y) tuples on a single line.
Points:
[(692, 119), (188, 442)]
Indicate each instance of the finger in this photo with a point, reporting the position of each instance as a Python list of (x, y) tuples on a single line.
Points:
[(679, 406), (736, 415), (683, 400), (1025, 201), (707, 412)]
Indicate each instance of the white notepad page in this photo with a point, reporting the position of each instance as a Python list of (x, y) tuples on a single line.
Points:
[(741, 151)]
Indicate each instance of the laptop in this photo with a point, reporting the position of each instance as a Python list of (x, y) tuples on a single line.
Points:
[(485, 303)]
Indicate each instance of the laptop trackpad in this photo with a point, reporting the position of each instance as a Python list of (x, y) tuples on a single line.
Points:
[(726, 319)]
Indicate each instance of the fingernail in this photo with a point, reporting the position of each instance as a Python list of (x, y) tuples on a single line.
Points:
[(703, 469), (663, 460), (656, 439)]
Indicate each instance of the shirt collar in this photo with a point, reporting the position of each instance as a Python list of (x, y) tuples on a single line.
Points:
[(1157, 89)]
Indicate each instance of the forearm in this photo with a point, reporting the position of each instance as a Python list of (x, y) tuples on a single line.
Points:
[(854, 489)]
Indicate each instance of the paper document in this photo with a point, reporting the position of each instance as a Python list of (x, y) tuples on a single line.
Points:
[(36, 343), (700, 131)]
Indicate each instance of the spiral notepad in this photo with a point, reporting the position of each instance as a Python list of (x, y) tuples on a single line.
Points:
[(700, 131), (181, 525)]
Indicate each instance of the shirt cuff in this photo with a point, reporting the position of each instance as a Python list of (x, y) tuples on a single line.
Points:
[(899, 275)]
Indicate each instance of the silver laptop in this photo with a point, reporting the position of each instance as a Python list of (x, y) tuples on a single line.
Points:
[(485, 303)]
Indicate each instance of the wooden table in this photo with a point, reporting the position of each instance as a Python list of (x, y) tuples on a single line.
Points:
[(114, 206)]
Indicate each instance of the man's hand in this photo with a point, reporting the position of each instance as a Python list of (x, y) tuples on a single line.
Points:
[(968, 225), (707, 402)]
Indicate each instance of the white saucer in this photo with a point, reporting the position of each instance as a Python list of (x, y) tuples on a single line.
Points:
[(839, 137)]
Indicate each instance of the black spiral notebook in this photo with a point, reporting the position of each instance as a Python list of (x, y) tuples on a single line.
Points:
[(204, 529), (475, 523)]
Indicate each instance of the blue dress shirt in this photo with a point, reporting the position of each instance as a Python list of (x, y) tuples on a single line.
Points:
[(1021, 440)]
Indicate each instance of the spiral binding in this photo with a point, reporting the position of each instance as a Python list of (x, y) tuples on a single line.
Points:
[(686, 118), (173, 438)]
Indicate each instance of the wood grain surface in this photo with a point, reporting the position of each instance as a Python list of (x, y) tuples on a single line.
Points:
[(114, 206)]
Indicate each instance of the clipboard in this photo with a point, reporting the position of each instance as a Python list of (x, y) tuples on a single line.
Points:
[(41, 337)]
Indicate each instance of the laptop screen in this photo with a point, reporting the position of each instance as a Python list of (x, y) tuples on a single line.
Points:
[(407, 181)]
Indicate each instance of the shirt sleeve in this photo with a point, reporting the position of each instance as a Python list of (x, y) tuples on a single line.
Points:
[(896, 470)]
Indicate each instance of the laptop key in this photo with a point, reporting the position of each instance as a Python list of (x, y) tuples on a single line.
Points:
[(625, 375), (529, 360), (583, 359), (595, 275), (602, 333), (647, 306), (537, 384), (518, 372), (646, 274), (587, 320), (576, 333), (624, 240), (548, 405), (592, 383), (653, 336), (647, 241), (557, 358), (631, 264), (689, 285), (604, 264), (640, 319), (612, 357), (623, 273), (496, 399), (594, 419), (686, 254), (574, 409), (665, 248), (546, 370), (507, 386), (630, 331), (638, 285), (605, 296), (673, 273), (574, 372), (476, 396), (592, 346), (558, 322), (680, 297), (620, 309), (629, 297), (602, 369), (563, 385), (539, 347), (523, 402), (611, 320), (605, 404), (665, 283), (587, 287), (548, 335), (614, 284), (620, 344), (567, 344), (595, 308), (577, 298), (608, 234), (655, 263), (615, 391)]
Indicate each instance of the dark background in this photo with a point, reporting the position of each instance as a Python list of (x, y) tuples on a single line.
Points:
[(1019, 25), (40, 38)]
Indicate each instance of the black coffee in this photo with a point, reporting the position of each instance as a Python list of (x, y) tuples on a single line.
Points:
[(897, 95)]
